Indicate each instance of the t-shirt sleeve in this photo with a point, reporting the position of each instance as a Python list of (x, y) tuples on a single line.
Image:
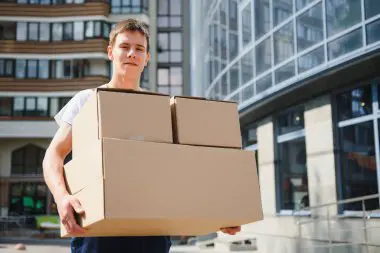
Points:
[(71, 109)]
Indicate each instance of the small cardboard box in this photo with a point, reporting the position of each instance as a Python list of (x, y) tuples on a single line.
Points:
[(130, 188), (124, 114), (197, 121)]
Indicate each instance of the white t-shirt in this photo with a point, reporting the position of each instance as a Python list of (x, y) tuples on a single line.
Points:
[(71, 109)]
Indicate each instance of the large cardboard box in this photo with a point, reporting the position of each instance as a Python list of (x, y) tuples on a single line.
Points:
[(130, 187), (124, 114), (204, 122)]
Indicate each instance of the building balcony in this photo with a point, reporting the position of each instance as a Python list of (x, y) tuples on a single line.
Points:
[(57, 47), (74, 84), (100, 8), (28, 128)]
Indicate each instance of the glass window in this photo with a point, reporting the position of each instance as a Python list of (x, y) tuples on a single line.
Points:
[(58, 69), (97, 29), (282, 9), (78, 30), (355, 103), (42, 106), (372, 8), (302, 3), (223, 43), (30, 106), (163, 76), (233, 14), (6, 106), (284, 73), (263, 56), (106, 30), (32, 69), (292, 168), (248, 92), (175, 7), (247, 67), (358, 165), (310, 28), (283, 43), (224, 85), (33, 31), (247, 24), (43, 69), (341, 15), (20, 68), (262, 18), (57, 31), (263, 83), (175, 41), (163, 7), (311, 60), (67, 68), (176, 76), (345, 44), (68, 31), (233, 40), (163, 46), (234, 77), (176, 91), (22, 31), (8, 30), (18, 106), (44, 32), (373, 34), (89, 29), (9, 64), (2, 67), (290, 121), (28, 198)]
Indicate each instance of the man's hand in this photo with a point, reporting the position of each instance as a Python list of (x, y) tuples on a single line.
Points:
[(231, 230), (66, 205)]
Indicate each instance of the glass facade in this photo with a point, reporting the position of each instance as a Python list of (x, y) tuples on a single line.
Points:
[(253, 48)]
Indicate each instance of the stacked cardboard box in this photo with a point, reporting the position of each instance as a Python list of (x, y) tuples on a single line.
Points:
[(147, 164)]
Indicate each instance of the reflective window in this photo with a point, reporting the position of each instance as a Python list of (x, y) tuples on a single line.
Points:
[(292, 166), (247, 66), (373, 34), (68, 31), (22, 31), (20, 68), (224, 85), (291, 121), (27, 198), (248, 92), (32, 68), (282, 9), (223, 38), (285, 72), (311, 60), (43, 69), (341, 15), (6, 67), (263, 83), (33, 31), (169, 13), (234, 77), (27, 160), (6, 106), (355, 103), (262, 18), (57, 31), (283, 43), (345, 44), (372, 8), (302, 3), (8, 30), (233, 45), (263, 56), (44, 32), (233, 14), (78, 30), (310, 28), (247, 24)]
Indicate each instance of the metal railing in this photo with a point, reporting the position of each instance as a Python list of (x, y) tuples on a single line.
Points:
[(329, 216)]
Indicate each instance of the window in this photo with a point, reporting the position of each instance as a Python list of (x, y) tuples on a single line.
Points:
[(357, 171), (341, 15), (247, 24), (57, 32), (128, 6), (6, 106), (170, 47), (28, 159), (44, 32), (250, 141), (169, 13), (282, 9), (8, 30), (21, 31), (20, 68), (68, 33), (28, 198), (6, 68), (309, 35), (283, 43), (292, 191), (170, 80), (262, 18), (33, 31)]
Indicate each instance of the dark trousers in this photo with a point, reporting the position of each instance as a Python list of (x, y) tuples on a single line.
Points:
[(139, 244)]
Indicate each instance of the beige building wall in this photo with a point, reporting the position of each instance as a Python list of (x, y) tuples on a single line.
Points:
[(279, 233)]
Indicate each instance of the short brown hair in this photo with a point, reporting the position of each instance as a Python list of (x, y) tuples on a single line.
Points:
[(132, 25)]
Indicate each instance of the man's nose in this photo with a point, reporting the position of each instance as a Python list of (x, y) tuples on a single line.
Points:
[(131, 53)]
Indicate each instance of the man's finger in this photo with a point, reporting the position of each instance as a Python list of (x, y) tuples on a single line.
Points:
[(77, 206)]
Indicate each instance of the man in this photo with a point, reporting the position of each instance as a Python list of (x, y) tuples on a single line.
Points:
[(128, 50)]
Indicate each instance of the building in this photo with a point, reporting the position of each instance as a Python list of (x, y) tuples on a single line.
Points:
[(305, 74), (51, 49)]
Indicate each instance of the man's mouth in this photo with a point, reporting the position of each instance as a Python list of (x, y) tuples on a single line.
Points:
[(131, 63)]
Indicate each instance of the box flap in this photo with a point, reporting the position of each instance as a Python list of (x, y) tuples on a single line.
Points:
[(129, 91), (203, 98)]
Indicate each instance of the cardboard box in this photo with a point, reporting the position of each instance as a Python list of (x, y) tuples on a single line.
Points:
[(130, 187), (198, 121), (124, 114)]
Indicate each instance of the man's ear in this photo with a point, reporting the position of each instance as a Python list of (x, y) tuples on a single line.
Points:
[(109, 53)]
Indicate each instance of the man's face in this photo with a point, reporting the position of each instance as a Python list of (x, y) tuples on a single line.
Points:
[(129, 53)]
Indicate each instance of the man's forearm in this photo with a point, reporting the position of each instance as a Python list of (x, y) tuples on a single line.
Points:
[(53, 174)]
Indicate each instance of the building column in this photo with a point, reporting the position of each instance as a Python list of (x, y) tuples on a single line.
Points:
[(267, 168), (152, 70), (320, 153)]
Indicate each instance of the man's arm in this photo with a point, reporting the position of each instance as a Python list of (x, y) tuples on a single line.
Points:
[(58, 149)]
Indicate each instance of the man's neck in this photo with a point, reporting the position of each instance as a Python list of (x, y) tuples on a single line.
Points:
[(122, 83)]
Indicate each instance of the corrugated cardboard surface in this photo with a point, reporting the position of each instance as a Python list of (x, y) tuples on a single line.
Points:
[(124, 115), (168, 189), (207, 123)]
